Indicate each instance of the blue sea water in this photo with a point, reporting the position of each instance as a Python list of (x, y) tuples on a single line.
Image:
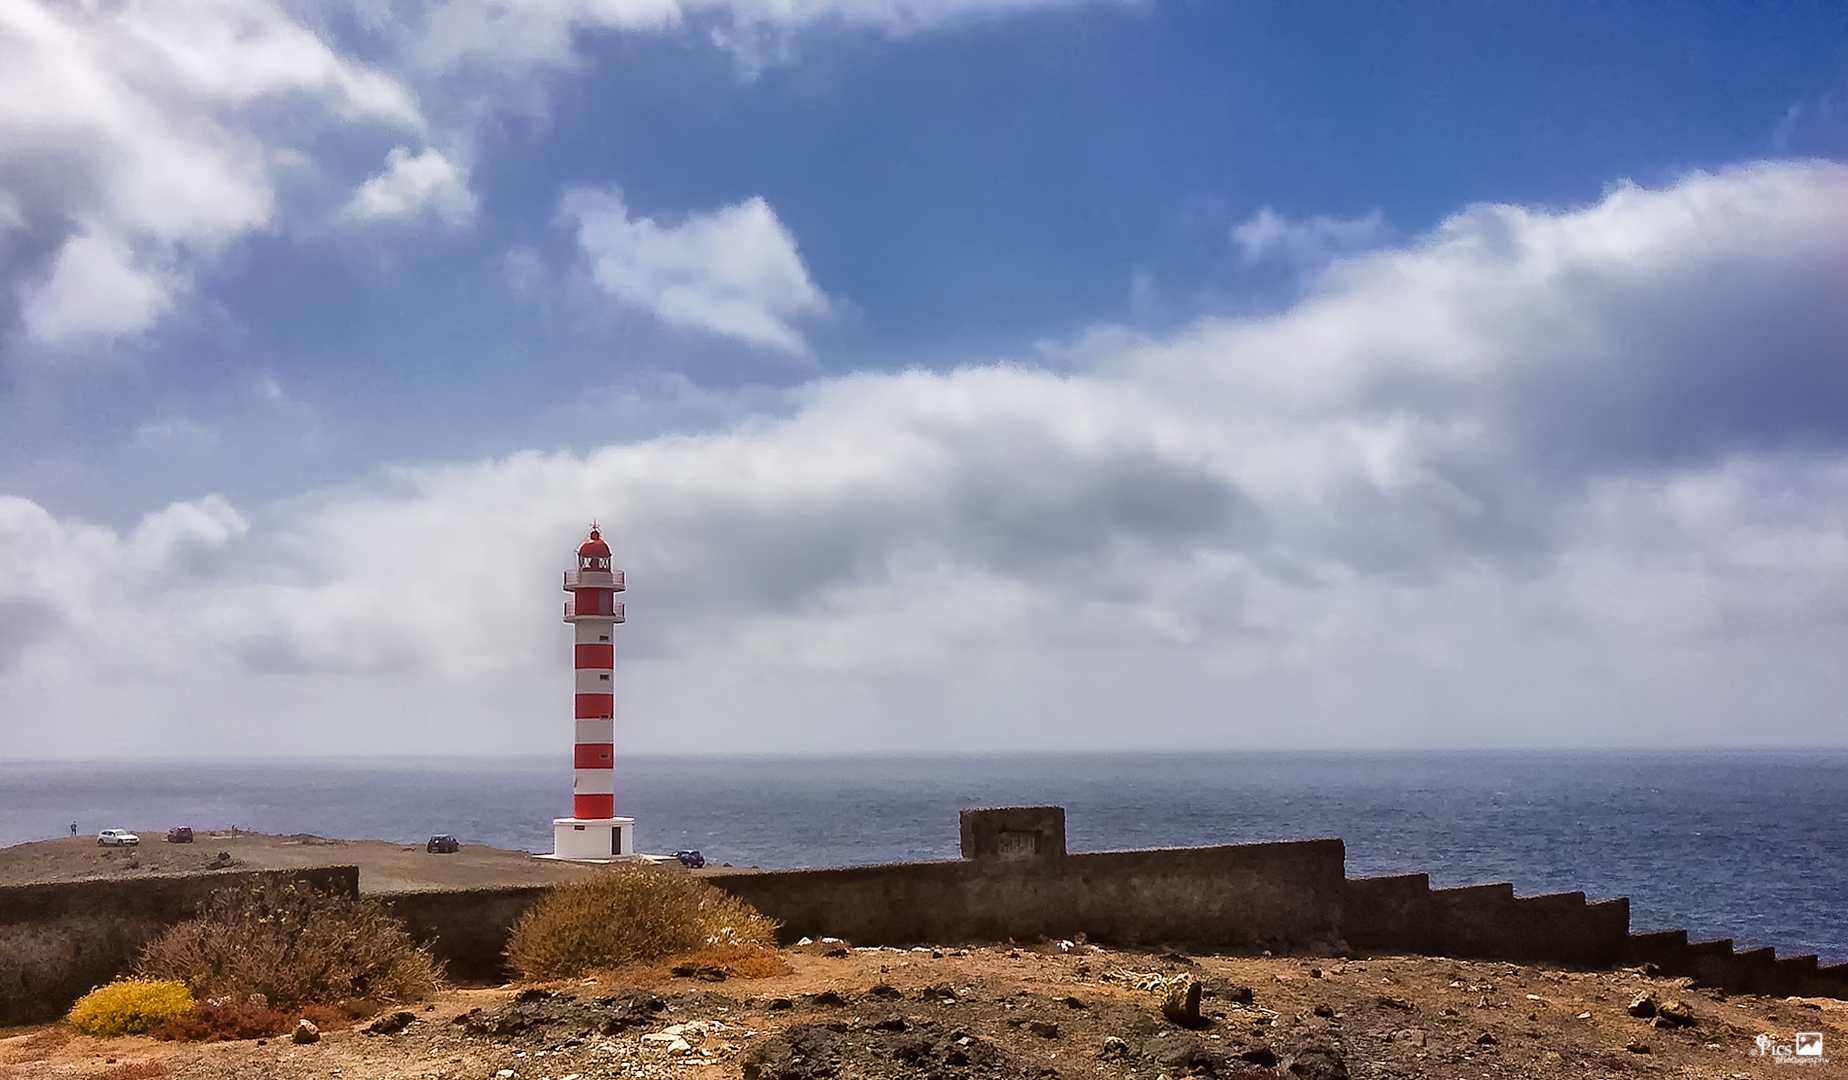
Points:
[(1747, 845)]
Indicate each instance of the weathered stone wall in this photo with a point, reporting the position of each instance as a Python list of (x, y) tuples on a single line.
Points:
[(1285, 897), (1404, 914), (59, 940), (467, 929), (1753, 971)]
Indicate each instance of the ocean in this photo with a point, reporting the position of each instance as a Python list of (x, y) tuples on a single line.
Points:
[(1741, 844)]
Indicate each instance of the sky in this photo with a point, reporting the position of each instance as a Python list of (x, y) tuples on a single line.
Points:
[(947, 374)]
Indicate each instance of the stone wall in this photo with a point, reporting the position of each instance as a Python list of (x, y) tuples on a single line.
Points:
[(60, 940), (1753, 971), (1285, 897), (466, 929), (1404, 914)]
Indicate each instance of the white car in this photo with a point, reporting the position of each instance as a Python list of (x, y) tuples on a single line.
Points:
[(117, 838)]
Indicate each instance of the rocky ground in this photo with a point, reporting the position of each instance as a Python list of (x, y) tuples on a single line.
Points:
[(1049, 1011)]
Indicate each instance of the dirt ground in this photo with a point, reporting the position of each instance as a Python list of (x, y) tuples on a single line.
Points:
[(1044, 1012), (384, 867)]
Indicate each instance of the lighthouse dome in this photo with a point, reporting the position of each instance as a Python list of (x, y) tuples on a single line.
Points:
[(594, 548)]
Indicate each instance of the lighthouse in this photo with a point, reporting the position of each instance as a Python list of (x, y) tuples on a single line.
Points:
[(593, 831)]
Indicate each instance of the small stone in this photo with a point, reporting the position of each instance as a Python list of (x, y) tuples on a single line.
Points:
[(1397, 1003), (391, 1025), (1676, 1013), (1643, 1007), (1323, 1010), (1113, 1049), (1045, 1029), (1636, 1046), (1486, 1039), (305, 1032)]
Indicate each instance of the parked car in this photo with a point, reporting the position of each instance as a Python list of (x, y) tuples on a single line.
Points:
[(181, 834), (692, 860), (117, 838), (443, 845)]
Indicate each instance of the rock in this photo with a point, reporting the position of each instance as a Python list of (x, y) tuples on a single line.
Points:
[(830, 998), (799, 1053), (1074, 1003), (260, 1001), (886, 990), (702, 972), (779, 1004), (1045, 1029), (1261, 1056), (1675, 1013), (1486, 1039), (1318, 1063), (1412, 1036), (305, 1032), (1636, 1046), (1173, 1049), (891, 1023), (1181, 1003), (1396, 1003), (1324, 1010), (1644, 1005), (1114, 1049), (391, 1025)]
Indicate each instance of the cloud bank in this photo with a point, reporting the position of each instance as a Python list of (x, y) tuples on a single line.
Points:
[(1540, 477)]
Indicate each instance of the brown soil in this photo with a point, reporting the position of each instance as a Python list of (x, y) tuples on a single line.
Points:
[(1043, 1012)]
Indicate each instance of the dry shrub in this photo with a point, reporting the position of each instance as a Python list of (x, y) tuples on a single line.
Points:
[(718, 962), (136, 1070), (223, 1020), (627, 915), (129, 1006), (294, 945)]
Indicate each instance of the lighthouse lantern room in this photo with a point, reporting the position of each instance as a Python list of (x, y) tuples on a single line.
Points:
[(593, 832)]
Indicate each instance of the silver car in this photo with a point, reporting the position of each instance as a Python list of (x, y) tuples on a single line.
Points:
[(117, 838)]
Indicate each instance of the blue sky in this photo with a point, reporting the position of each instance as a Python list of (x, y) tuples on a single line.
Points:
[(1282, 321)]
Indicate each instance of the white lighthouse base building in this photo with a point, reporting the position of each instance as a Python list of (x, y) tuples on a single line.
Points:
[(592, 840)]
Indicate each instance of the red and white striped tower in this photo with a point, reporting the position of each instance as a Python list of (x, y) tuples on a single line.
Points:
[(593, 831)]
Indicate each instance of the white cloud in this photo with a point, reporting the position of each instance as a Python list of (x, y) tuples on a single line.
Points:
[(1539, 477), (413, 185), (133, 146), (511, 38), (734, 272), (1309, 244)]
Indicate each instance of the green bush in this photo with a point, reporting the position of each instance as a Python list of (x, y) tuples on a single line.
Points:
[(130, 1006), (294, 945), (627, 915)]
